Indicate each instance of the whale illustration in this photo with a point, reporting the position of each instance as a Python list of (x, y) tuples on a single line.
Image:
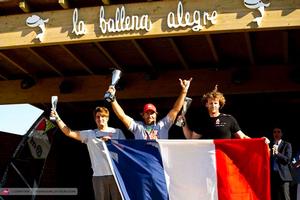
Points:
[(257, 4), (36, 21)]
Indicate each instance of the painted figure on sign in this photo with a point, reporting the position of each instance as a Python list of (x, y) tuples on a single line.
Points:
[(37, 21), (257, 4)]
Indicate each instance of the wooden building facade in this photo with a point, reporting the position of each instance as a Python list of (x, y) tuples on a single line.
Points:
[(68, 48)]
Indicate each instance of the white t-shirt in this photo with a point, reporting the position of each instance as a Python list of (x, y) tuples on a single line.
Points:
[(95, 147), (160, 130)]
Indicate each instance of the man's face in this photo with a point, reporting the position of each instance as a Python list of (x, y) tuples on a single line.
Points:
[(149, 117), (101, 120), (213, 105), (277, 134)]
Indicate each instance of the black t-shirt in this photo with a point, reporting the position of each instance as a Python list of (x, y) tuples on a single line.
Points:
[(222, 127)]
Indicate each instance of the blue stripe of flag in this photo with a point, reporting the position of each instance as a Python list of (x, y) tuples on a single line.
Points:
[(139, 169)]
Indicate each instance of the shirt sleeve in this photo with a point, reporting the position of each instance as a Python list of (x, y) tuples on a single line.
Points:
[(137, 129), (235, 127), (121, 135), (164, 126), (166, 122), (133, 125), (85, 136)]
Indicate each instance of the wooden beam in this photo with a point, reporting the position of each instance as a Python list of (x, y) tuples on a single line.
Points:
[(64, 3), (77, 59), (212, 48), (106, 2), (178, 53), (45, 61), (3, 77), (249, 48), (23, 4), (16, 33), (143, 54), (107, 55), (13, 63), (92, 88), (285, 48)]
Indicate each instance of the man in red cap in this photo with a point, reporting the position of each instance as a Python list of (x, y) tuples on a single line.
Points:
[(150, 129)]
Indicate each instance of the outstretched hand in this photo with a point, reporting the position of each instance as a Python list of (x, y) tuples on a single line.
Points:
[(54, 114), (106, 138), (185, 84), (181, 117), (112, 90), (267, 141)]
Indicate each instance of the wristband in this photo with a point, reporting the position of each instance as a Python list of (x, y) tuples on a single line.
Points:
[(113, 98)]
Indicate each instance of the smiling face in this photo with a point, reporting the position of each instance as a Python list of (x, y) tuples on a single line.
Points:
[(277, 133), (101, 116), (213, 106), (101, 120), (149, 117)]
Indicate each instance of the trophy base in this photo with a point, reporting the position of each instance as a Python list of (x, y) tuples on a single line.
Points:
[(109, 97), (52, 119), (180, 123)]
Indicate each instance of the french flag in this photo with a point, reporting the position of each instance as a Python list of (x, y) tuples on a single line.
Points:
[(191, 169)]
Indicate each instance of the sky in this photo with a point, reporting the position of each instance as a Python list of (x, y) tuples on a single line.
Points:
[(18, 118)]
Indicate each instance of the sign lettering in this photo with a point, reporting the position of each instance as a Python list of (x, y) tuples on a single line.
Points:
[(122, 23), (78, 28), (195, 20)]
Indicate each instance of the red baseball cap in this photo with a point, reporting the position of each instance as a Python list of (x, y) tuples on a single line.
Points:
[(149, 106)]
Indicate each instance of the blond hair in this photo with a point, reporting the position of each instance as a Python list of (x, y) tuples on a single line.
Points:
[(103, 111), (216, 95)]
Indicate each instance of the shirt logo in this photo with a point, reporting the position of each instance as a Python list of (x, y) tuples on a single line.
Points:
[(151, 133)]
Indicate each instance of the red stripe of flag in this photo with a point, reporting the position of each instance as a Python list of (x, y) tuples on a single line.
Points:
[(243, 169)]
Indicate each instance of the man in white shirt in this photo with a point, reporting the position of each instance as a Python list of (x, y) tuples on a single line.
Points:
[(105, 187)]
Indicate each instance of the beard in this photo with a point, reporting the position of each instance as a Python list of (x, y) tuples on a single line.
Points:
[(150, 121)]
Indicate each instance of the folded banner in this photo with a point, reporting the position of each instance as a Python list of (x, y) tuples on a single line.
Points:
[(191, 169)]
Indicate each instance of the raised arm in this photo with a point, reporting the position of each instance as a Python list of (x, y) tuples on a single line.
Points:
[(188, 133), (64, 128), (118, 110), (185, 84)]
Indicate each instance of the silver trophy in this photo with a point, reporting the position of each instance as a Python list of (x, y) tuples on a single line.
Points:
[(186, 104), (54, 100), (116, 75), (275, 149)]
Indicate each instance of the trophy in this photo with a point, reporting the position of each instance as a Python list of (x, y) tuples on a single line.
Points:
[(116, 75), (54, 100), (275, 149), (186, 104)]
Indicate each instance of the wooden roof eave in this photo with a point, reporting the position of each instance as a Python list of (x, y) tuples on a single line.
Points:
[(16, 34)]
